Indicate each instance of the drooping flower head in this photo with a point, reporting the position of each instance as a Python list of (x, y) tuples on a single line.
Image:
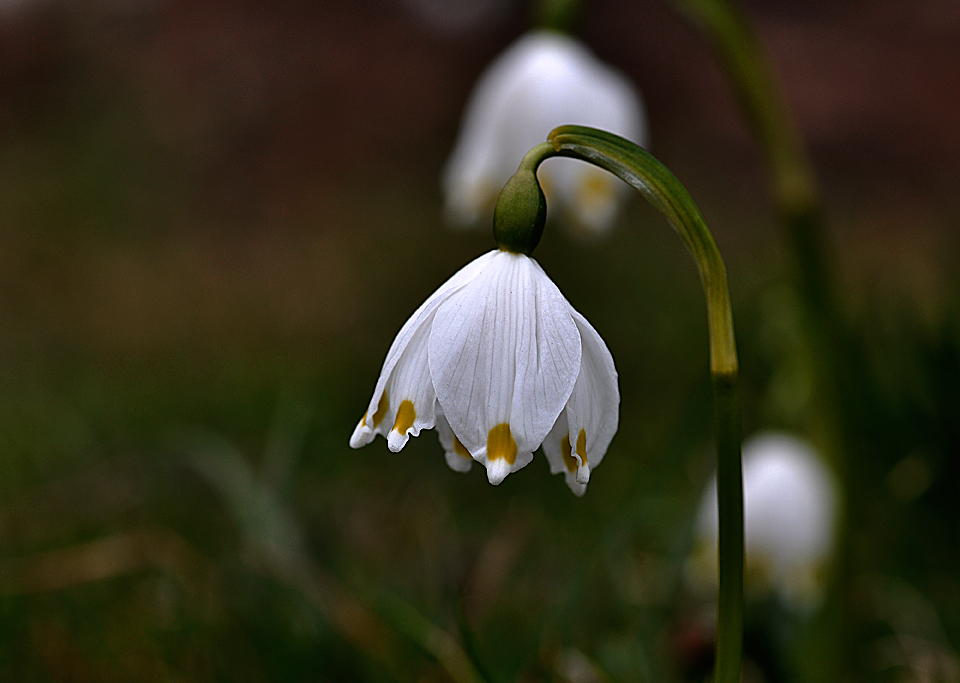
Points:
[(790, 507), (499, 363), (545, 79)]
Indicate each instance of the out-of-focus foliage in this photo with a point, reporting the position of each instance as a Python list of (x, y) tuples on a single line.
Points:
[(214, 219)]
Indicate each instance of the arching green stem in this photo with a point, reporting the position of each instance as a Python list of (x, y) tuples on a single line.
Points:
[(654, 181), (795, 188)]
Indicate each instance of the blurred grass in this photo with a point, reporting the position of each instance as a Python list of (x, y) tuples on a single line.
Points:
[(192, 317)]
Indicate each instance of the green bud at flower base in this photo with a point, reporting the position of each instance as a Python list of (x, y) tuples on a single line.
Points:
[(520, 214)]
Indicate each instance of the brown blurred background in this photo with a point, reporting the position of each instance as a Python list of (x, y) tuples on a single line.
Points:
[(215, 216)]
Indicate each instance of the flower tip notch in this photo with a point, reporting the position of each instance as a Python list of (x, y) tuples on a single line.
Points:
[(362, 434), (520, 213), (497, 471), (583, 474)]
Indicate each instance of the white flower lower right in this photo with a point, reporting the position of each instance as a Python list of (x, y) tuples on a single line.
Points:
[(790, 512)]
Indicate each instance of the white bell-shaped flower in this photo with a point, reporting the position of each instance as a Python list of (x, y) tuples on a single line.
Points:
[(790, 509), (500, 363), (544, 80)]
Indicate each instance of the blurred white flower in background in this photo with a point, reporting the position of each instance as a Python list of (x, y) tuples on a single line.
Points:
[(790, 515), (544, 80), (500, 363)]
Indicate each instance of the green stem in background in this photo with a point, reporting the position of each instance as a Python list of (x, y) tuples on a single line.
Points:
[(440, 644), (795, 187), (558, 15), (751, 75), (660, 187)]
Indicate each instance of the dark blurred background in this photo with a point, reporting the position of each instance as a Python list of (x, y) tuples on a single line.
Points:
[(214, 217)]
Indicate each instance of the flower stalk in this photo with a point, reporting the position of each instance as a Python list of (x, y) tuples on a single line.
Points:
[(797, 198), (660, 187)]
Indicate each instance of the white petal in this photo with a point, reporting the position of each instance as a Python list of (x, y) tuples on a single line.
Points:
[(458, 457), (557, 449), (405, 375), (411, 391), (583, 431), (593, 411), (504, 357)]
